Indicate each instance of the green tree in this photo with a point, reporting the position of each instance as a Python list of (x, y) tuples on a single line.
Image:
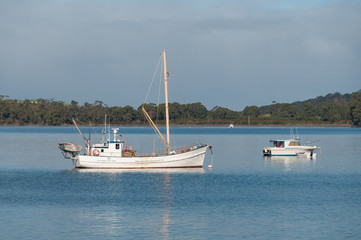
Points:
[(251, 111), (223, 113), (150, 108), (330, 112), (175, 110), (355, 109), (194, 111)]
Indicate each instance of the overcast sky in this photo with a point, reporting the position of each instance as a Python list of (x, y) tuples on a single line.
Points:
[(219, 52)]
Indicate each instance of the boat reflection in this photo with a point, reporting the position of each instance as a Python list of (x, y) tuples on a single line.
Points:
[(289, 162), (116, 220), (167, 196), (165, 170)]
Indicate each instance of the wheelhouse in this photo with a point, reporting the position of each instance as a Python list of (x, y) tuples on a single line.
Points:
[(284, 143)]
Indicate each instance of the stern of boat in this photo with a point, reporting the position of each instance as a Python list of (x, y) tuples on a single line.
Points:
[(69, 150)]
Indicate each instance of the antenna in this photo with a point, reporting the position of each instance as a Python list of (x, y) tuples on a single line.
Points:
[(105, 123), (89, 131)]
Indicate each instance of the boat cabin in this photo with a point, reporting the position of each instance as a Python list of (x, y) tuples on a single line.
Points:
[(111, 147), (285, 143)]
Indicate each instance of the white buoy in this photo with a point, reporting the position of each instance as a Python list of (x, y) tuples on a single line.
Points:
[(210, 166)]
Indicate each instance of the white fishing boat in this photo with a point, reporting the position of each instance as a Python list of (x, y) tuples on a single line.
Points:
[(111, 154), (289, 147)]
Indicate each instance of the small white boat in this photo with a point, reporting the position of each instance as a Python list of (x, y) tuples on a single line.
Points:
[(111, 154), (231, 125), (289, 147)]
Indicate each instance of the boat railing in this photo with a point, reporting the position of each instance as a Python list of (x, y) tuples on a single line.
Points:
[(186, 146), (312, 143)]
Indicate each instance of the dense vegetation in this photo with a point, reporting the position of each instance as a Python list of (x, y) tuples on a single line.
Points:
[(330, 109)]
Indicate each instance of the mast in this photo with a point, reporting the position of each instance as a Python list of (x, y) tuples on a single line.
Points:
[(166, 100)]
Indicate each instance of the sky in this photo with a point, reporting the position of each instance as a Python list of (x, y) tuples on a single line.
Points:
[(224, 53)]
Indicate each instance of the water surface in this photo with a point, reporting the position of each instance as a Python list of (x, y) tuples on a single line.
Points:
[(243, 196)]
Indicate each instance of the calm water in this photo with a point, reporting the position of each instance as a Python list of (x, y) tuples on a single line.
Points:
[(244, 197)]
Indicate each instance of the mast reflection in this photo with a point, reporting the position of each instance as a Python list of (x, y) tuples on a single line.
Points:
[(167, 196)]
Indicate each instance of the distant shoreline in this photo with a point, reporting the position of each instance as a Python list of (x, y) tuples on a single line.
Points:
[(324, 111)]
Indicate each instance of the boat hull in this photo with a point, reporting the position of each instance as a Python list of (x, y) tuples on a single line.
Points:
[(190, 159), (302, 151)]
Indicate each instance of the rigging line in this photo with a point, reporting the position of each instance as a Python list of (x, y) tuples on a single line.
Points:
[(157, 115), (159, 88), (155, 72)]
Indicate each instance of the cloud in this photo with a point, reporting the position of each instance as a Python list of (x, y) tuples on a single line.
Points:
[(227, 53)]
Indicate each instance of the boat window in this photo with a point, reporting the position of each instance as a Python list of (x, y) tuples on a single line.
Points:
[(275, 143), (281, 144), (102, 150), (294, 144), (117, 146)]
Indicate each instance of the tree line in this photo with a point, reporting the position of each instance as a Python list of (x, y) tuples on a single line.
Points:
[(330, 109)]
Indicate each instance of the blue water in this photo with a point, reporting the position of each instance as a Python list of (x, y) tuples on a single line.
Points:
[(244, 196)]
